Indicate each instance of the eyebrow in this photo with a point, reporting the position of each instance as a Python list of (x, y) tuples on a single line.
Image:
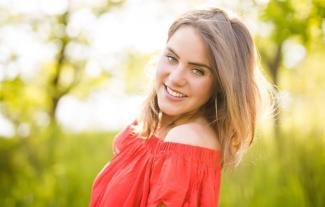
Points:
[(191, 63)]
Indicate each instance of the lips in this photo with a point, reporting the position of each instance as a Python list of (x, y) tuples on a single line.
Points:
[(174, 93)]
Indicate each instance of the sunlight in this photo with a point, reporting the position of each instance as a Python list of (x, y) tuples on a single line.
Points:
[(294, 53), (107, 38)]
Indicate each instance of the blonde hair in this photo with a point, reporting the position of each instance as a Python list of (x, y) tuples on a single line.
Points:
[(240, 87)]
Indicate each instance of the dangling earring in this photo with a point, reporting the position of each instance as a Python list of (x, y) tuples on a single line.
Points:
[(216, 106)]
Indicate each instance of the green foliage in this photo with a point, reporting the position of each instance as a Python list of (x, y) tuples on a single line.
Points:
[(32, 175), (266, 179), (39, 172), (20, 101), (56, 168), (299, 20), (290, 18)]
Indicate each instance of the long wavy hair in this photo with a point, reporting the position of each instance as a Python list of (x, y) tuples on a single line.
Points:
[(240, 88)]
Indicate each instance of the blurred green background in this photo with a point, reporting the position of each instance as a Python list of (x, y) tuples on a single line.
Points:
[(73, 73)]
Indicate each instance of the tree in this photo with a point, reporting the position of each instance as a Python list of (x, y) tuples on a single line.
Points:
[(289, 20), (21, 100)]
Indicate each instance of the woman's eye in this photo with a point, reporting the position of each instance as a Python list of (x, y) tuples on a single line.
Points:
[(198, 72), (171, 59)]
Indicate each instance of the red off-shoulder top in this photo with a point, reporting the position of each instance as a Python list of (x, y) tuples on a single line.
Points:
[(146, 173)]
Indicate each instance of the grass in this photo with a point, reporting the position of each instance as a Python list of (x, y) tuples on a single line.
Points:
[(57, 169)]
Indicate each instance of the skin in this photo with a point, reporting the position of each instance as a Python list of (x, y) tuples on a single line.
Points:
[(184, 68)]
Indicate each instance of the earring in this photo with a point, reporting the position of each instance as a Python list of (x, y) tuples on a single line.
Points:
[(216, 105)]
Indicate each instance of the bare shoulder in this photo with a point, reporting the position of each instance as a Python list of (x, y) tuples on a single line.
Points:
[(194, 133)]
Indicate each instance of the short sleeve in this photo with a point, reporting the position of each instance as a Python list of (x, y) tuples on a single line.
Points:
[(177, 181)]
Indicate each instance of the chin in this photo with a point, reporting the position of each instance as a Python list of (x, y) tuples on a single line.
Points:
[(168, 111)]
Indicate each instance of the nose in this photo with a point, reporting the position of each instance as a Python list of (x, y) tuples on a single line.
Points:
[(177, 76)]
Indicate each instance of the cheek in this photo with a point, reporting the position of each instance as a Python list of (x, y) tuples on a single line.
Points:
[(206, 90), (159, 77), (161, 71)]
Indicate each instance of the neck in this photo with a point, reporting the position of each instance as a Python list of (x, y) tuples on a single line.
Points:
[(167, 121)]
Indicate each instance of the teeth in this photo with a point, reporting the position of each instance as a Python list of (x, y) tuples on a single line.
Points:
[(174, 93)]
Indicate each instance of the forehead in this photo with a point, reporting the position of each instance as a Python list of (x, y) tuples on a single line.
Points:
[(188, 44)]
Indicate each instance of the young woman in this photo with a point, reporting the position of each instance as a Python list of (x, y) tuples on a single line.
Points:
[(199, 117)]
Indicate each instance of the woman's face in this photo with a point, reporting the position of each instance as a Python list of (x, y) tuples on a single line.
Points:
[(184, 80)]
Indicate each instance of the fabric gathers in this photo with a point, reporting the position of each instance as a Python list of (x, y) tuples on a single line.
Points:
[(146, 173)]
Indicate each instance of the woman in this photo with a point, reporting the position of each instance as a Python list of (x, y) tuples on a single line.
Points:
[(200, 116)]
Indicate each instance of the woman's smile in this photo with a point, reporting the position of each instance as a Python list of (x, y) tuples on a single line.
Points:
[(183, 78), (174, 93)]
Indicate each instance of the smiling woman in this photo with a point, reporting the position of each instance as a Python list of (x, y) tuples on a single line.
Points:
[(199, 117), (184, 81)]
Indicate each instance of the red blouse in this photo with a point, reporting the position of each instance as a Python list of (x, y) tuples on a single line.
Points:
[(145, 173)]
